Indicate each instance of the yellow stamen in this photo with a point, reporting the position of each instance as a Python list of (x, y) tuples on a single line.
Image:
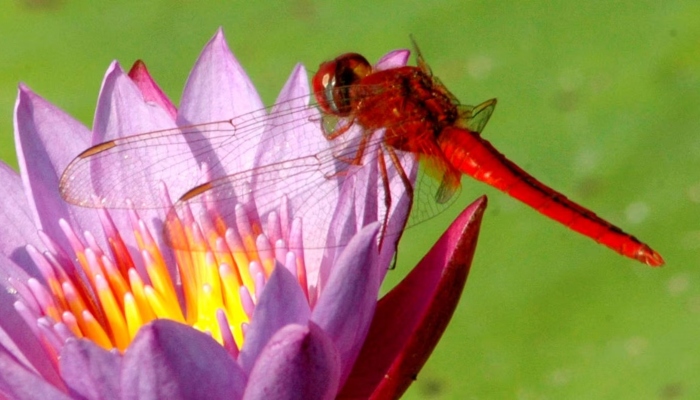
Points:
[(162, 308), (94, 331), (137, 292), (115, 318), (133, 316), (232, 299)]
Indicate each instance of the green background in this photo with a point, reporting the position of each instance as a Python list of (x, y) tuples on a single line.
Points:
[(599, 100)]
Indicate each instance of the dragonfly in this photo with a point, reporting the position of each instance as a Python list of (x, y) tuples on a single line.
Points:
[(371, 118), (423, 117)]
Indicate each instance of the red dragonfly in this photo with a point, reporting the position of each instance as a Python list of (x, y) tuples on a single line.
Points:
[(422, 117), (419, 117)]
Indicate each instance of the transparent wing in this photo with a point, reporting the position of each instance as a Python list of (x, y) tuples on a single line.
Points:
[(276, 161), (131, 171)]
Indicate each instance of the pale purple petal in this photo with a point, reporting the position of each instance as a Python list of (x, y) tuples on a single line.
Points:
[(393, 59), (90, 371), (217, 88), (168, 360), (18, 382), (299, 362), (281, 303), (294, 134), (47, 139), (122, 110), (17, 227), (346, 306), (18, 340), (294, 128)]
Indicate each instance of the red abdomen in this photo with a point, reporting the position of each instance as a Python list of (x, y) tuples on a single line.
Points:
[(472, 155)]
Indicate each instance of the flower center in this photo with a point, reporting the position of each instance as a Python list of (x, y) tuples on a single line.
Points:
[(218, 273)]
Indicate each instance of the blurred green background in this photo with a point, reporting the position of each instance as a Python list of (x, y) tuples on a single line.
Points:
[(599, 99)]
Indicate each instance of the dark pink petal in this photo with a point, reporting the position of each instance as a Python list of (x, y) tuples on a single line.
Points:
[(90, 372), (299, 362), (47, 139), (17, 227), (19, 382), (168, 360), (281, 303), (393, 59), (150, 89), (122, 110), (411, 318), (346, 306), (217, 88)]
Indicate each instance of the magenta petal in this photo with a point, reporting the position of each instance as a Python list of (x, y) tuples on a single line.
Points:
[(19, 382), (168, 360), (150, 90), (217, 88), (281, 303), (90, 372), (47, 139), (411, 318), (299, 362), (393, 59), (346, 306)]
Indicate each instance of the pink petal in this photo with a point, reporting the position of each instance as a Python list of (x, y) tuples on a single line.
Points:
[(344, 310), (168, 360), (150, 90), (293, 134), (17, 227), (89, 371), (18, 382), (138, 165), (281, 303), (299, 362), (217, 88), (393, 59), (18, 340), (134, 174), (47, 139), (122, 110), (293, 126), (411, 318)]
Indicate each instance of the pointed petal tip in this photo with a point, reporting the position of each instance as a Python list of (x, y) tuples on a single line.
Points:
[(393, 59), (22, 87), (150, 90), (138, 69)]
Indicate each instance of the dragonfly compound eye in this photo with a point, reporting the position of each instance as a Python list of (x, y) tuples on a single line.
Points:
[(334, 79)]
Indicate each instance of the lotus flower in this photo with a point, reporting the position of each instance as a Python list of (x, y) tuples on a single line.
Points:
[(98, 304)]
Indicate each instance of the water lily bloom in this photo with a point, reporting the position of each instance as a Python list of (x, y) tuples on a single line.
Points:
[(278, 300)]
